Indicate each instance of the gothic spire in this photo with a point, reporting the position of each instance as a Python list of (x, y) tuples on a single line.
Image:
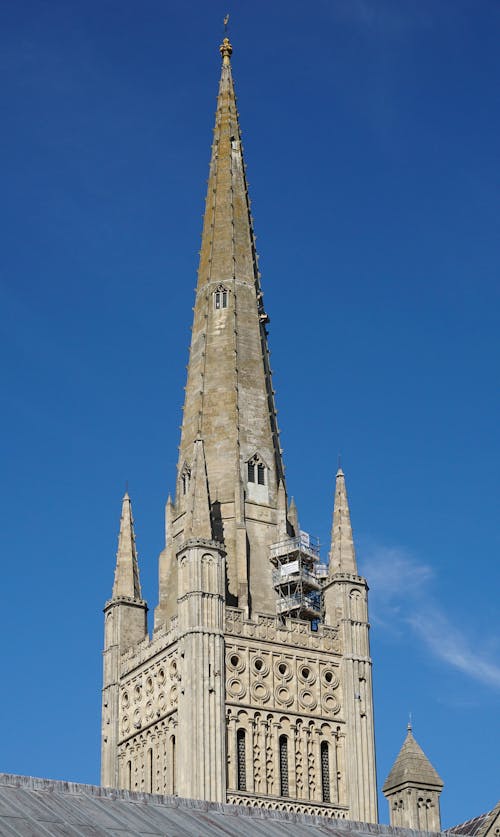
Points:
[(127, 570), (342, 552), (229, 400)]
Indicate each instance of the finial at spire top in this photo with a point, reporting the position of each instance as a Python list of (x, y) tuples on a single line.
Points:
[(226, 51), (409, 725)]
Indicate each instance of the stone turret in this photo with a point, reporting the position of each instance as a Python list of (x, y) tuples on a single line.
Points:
[(200, 600), (345, 600), (412, 789), (125, 625), (342, 556)]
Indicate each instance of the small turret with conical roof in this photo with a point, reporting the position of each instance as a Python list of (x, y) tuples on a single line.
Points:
[(412, 788), (125, 625), (342, 552), (127, 570), (345, 597)]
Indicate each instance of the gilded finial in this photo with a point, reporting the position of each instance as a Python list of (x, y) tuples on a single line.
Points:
[(226, 51)]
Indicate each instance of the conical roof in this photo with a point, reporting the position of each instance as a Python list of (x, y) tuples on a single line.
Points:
[(412, 767), (127, 570), (342, 552)]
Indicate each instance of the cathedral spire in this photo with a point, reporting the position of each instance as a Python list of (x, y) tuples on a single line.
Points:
[(229, 399), (342, 552), (126, 571)]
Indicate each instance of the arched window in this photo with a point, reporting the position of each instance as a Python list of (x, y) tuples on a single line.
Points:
[(129, 775), (242, 759), (256, 470), (221, 297), (185, 477), (149, 771), (283, 748), (325, 771), (172, 764)]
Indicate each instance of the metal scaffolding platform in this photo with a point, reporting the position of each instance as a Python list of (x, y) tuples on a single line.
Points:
[(297, 576)]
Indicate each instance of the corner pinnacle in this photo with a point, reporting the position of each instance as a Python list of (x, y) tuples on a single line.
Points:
[(126, 571), (342, 552)]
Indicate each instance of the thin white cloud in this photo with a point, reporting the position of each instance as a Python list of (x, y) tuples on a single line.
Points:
[(392, 571), (450, 644), (402, 597)]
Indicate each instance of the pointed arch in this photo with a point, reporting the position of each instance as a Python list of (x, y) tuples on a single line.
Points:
[(221, 297)]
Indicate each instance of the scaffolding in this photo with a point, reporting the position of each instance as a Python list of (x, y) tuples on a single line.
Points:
[(297, 576)]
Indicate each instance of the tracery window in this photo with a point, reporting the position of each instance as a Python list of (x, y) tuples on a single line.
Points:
[(241, 759), (283, 748), (221, 297), (325, 771), (256, 470)]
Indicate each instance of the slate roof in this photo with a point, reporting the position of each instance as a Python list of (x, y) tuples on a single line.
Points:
[(412, 766), (44, 808), (471, 827), (479, 825)]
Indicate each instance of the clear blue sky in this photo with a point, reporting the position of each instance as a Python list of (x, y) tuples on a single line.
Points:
[(371, 137)]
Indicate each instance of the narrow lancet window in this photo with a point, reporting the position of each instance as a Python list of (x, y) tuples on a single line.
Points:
[(242, 762), (325, 772), (172, 764), (149, 771), (283, 747), (185, 477), (251, 472), (261, 471), (129, 775)]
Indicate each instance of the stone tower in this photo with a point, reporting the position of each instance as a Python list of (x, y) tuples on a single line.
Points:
[(412, 789), (255, 687)]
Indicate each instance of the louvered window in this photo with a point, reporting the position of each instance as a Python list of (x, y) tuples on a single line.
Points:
[(283, 746), (242, 761), (325, 771)]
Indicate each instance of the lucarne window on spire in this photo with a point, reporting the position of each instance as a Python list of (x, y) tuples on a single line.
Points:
[(256, 470), (221, 297)]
